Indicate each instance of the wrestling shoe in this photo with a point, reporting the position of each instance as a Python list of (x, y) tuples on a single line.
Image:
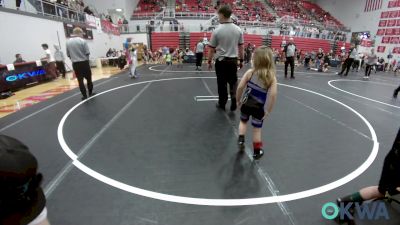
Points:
[(258, 153)]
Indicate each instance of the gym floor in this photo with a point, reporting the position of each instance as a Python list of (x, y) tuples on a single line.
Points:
[(132, 153)]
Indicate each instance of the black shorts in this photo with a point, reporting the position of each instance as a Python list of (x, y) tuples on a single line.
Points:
[(257, 115), (82, 69), (390, 177)]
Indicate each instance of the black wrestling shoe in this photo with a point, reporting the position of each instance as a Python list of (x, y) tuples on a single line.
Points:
[(292, 78), (241, 140), (345, 219), (92, 94), (84, 98), (233, 104), (220, 107), (394, 95), (258, 153)]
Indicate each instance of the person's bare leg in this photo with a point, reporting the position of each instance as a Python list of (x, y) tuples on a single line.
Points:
[(242, 128), (256, 135), (369, 193), (242, 133)]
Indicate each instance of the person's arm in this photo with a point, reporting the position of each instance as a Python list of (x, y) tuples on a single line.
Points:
[(86, 49), (213, 44), (241, 55), (242, 84), (284, 51), (68, 53), (241, 50), (272, 93)]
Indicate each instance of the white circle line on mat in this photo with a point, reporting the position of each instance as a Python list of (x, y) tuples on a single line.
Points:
[(152, 68), (360, 96), (218, 202)]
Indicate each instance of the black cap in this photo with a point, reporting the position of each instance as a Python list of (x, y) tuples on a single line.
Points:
[(21, 197), (17, 164)]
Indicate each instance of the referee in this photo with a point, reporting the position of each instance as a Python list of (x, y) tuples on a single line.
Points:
[(199, 54), (226, 49), (289, 53), (78, 52)]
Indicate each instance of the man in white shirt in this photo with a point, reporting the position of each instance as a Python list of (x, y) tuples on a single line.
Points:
[(199, 54), (48, 56), (50, 66)]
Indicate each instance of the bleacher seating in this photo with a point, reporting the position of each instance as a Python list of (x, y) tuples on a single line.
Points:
[(198, 6), (288, 8), (249, 10), (149, 6), (324, 17)]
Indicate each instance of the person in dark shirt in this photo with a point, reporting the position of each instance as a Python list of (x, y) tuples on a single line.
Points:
[(18, 59), (22, 200), (320, 56), (389, 183), (307, 60), (327, 61)]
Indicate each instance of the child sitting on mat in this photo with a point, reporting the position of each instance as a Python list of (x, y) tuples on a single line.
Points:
[(257, 84)]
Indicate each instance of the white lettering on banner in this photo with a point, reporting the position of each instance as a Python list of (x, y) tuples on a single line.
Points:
[(90, 20)]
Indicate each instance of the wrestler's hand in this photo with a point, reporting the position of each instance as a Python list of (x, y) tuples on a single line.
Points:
[(240, 65)]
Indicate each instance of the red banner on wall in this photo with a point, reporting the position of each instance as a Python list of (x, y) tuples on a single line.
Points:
[(391, 23), (389, 32), (394, 40), (109, 27), (396, 50), (381, 32), (382, 23), (393, 14), (394, 4), (385, 40), (381, 48)]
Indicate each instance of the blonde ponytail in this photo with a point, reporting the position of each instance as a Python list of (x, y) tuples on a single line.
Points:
[(264, 65)]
